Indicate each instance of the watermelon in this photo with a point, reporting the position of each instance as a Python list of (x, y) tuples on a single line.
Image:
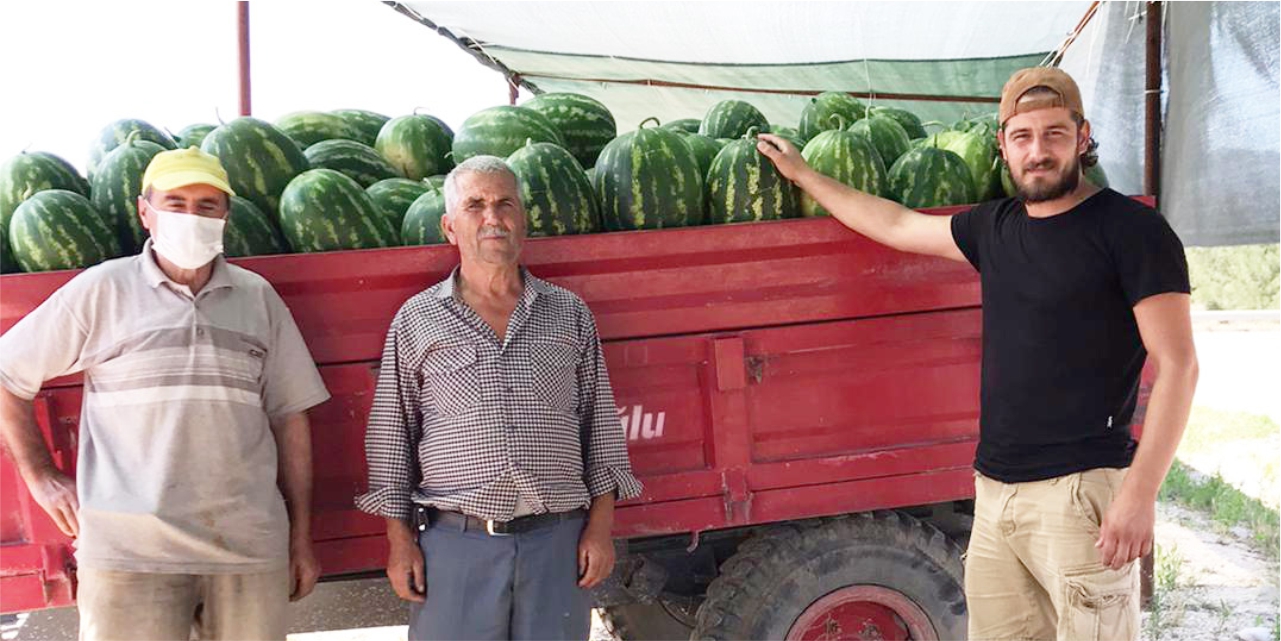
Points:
[(850, 159), (29, 172), (117, 132), (985, 122), (260, 160), (819, 114), (8, 265), (393, 197), (1094, 174), (743, 185), (500, 131), (940, 139), (732, 119), (648, 179), (558, 199), (886, 135), (310, 127), (416, 146), (437, 181), (977, 147), (791, 134), (906, 119), (358, 161), (422, 221), (250, 232), (367, 123), (192, 135), (60, 229), (118, 184), (585, 125), (324, 210), (931, 177), (689, 125), (590, 172), (704, 148), (1007, 181)]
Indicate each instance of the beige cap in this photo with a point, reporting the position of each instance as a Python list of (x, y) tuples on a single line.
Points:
[(1051, 78)]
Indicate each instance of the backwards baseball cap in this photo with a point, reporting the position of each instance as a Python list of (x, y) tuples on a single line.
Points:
[(1025, 80), (182, 167)]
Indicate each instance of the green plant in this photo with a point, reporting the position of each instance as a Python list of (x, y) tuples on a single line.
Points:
[(1235, 277)]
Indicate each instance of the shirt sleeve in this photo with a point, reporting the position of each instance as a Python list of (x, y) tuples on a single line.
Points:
[(291, 382), (393, 432), (47, 343), (1149, 256), (606, 465), (965, 232)]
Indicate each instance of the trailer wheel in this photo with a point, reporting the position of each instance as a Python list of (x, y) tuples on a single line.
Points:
[(884, 575), (656, 621)]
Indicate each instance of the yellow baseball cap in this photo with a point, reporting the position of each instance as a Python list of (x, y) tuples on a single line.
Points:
[(182, 167)]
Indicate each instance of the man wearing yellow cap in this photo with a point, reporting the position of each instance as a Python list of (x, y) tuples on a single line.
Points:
[(191, 502), (1080, 286)]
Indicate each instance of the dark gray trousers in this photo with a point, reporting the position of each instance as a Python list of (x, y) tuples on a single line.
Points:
[(523, 586)]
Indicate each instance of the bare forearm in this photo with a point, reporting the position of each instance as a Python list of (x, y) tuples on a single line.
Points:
[(22, 438), (600, 516), (872, 216), (1167, 417), (293, 446)]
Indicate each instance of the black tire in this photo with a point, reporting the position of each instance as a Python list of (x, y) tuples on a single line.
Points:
[(648, 622), (782, 570)]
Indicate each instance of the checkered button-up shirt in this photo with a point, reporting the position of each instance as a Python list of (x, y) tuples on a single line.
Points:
[(465, 422)]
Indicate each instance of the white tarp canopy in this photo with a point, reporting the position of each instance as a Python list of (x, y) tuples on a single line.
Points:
[(1221, 176)]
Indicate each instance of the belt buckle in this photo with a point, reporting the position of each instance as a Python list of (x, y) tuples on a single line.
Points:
[(489, 528)]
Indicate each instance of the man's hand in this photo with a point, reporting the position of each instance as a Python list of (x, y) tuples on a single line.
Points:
[(55, 492), (595, 556), (784, 156), (304, 570), (1126, 533), (405, 564)]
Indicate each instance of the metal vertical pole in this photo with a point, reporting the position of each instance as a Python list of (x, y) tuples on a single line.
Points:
[(242, 25)]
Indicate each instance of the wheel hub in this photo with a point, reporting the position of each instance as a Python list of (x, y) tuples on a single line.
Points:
[(863, 613)]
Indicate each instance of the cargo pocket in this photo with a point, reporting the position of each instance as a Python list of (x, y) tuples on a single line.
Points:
[(450, 375), (1100, 604), (555, 378)]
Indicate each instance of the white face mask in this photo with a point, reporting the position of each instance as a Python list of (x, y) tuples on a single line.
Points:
[(187, 240)]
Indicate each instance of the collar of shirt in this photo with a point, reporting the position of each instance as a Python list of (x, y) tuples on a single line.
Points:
[(534, 286), (155, 276)]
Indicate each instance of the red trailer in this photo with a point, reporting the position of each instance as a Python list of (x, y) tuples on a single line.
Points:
[(800, 402)]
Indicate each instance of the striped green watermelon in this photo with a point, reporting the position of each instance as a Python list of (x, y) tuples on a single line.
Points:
[(417, 146), (422, 220), (886, 135), (437, 181), (8, 265), (558, 199), (819, 114), (648, 179), (939, 139), (500, 131), (193, 135), (117, 185), (1095, 174), (732, 119), (29, 172), (743, 186), (590, 172), (704, 148), (906, 119), (323, 210), (368, 123), (260, 160), (988, 122), (358, 161), (60, 229), (977, 147), (931, 177), (310, 127), (117, 132), (690, 125), (394, 196), (250, 232), (791, 134), (585, 125), (850, 159)]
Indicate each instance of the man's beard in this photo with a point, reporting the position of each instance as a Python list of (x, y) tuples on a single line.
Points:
[(1065, 184)]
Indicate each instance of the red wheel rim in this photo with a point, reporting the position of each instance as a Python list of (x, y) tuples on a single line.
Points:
[(863, 612)]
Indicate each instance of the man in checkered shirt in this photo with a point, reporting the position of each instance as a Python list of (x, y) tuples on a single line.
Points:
[(494, 447)]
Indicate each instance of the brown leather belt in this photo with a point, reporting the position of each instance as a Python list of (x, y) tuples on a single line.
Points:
[(430, 516)]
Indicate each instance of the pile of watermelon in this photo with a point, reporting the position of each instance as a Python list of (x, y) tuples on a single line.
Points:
[(352, 179)]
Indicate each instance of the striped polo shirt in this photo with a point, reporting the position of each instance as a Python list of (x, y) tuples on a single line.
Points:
[(177, 460)]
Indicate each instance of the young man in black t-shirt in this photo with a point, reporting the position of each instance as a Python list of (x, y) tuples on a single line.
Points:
[(1080, 286)]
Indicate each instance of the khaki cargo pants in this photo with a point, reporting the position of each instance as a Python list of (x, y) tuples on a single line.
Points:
[(1032, 571), (137, 606)]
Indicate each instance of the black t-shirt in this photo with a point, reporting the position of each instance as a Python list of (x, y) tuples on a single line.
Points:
[(1061, 350)]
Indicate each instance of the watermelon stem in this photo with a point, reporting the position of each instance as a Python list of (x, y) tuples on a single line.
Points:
[(751, 132), (133, 135), (655, 120)]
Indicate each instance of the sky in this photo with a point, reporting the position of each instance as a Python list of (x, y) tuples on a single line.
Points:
[(73, 68)]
